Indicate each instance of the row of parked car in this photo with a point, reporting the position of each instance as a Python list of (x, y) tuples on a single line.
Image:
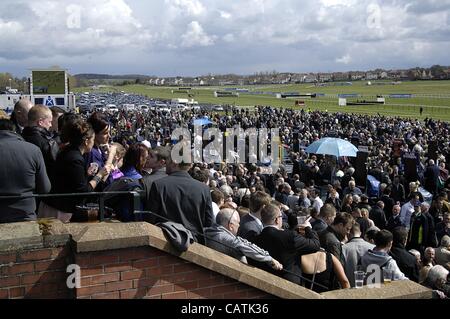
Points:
[(114, 102)]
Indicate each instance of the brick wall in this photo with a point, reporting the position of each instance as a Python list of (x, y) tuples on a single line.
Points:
[(150, 273), (39, 273)]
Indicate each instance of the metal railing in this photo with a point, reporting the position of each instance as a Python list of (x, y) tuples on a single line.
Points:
[(135, 202)]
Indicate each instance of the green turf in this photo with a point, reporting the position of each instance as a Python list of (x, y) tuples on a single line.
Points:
[(428, 91)]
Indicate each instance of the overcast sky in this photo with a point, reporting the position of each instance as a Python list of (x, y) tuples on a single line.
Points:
[(197, 37)]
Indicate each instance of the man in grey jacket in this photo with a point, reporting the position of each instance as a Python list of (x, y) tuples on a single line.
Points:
[(222, 237), (353, 250), (380, 255), (22, 172)]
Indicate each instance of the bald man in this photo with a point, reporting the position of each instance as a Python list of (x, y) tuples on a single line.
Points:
[(223, 237), (20, 114)]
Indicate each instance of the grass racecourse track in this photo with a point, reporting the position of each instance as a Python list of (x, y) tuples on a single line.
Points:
[(433, 96)]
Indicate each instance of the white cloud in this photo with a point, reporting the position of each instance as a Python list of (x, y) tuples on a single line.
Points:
[(346, 59), (225, 15), (289, 35), (196, 36), (191, 7)]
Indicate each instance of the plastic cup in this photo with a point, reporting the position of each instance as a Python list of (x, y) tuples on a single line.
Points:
[(387, 276), (359, 279)]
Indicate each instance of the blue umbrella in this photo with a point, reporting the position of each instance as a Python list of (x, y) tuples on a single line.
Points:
[(202, 121), (332, 146)]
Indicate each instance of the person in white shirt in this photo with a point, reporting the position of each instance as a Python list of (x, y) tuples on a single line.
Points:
[(407, 211), (218, 199), (317, 201)]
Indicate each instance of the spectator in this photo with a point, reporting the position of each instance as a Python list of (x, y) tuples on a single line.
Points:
[(99, 152), (57, 112), (37, 132), (427, 264), (443, 253), (317, 202), (398, 191), (388, 201), (431, 240), (292, 201), (380, 255), (443, 228), (408, 210), (201, 175), (303, 200), (181, 199), (352, 189), (326, 217), (334, 200), (24, 162), (156, 161), (353, 250), (332, 237), (325, 269), (222, 237), (377, 215), (431, 176), (437, 279), (19, 117), (134, 161), (284, 245), (218, 199), (71, 175), (406, 261), (419, 230), (347, 204), (251, 224), (394, 221), (370, 236)]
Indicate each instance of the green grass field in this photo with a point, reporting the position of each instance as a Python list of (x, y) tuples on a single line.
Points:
[(433, 96)]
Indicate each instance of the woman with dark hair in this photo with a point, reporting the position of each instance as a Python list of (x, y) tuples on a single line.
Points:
[(134, 161), (70, 172), (99, 152)]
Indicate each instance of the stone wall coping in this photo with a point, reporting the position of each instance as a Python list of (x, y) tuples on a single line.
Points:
[(402, 289), (93, 237), (108, 236)]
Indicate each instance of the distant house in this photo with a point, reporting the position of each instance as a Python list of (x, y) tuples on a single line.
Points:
[(371, 76)]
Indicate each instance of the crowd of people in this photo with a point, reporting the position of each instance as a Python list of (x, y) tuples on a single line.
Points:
[(313, 225)]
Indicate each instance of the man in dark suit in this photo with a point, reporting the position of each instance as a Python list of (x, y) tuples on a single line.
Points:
[(377, 215), (156, 161), (251, 224), (431, 177), (406, 261), (22, 172), (286, 246), (180, 198), (394, 221)]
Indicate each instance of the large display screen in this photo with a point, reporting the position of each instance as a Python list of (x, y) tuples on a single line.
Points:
[(48, 82)]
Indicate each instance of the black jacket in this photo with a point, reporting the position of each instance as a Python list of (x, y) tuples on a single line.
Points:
[(329, 240), (182, 199), (43, 139), (394, 222), (406, 261), (377, 215), (287, 246), (70, 177), (22, 172)]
